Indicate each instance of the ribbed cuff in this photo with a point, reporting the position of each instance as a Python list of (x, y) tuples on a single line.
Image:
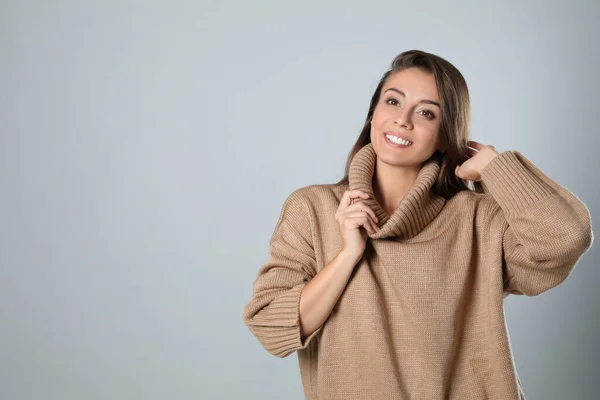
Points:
[(286, 339), (512, 185)]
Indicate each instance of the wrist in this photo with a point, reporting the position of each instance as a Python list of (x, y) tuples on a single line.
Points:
[(348, 257)]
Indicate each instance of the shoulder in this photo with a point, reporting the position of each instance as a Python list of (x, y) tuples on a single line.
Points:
[(307, 206), (315, 196), (482, 206), (473, 198)]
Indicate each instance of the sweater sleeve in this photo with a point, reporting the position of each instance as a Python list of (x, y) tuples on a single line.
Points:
[(272, 314), (546, 228)]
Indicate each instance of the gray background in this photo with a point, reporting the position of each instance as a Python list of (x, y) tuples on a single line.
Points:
[(147, 149)]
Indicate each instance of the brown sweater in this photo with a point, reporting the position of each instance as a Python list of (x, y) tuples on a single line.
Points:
[(422, 315)]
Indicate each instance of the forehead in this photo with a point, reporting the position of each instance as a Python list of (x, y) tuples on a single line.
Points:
[(414, 83)]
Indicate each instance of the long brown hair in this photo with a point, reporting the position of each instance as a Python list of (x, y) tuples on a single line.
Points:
[(455, 109)]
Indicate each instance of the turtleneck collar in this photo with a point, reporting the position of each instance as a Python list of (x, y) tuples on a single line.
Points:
[(416, 209)]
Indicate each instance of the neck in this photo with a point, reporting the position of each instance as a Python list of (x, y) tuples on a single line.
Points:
[(391, 183), (418, 206)]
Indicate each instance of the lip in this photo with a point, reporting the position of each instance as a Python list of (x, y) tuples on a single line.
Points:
[(397, 135)]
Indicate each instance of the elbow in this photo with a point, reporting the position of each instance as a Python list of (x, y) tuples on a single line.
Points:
[(584, 238), (290, 340), (275, 321), (281, 354), (278, 336), (535, 278), (578, 245), (278, 341), (571, 247), (588, 239)]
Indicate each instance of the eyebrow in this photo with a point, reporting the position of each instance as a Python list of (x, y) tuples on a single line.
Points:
[(401, 93)]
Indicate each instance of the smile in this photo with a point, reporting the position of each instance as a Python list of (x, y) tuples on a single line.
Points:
[(396, 142)]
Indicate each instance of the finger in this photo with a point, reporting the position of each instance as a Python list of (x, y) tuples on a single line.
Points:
[(362, 220), (360, 206), (477, 146), (359, 213), (372, 225), (471, 152), (363, 214), (349, 195)]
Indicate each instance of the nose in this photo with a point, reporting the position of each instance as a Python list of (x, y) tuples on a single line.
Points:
[(403, 119)]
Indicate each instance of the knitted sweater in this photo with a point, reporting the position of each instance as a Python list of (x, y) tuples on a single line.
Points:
[(422, 314)]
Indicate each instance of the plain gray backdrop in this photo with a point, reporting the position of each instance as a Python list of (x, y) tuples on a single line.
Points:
[(147, 148)]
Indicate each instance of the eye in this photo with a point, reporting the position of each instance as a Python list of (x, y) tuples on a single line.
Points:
[(430, 115)]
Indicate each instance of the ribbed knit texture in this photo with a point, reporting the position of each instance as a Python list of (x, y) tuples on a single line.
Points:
[(417, 208), (422, 314)]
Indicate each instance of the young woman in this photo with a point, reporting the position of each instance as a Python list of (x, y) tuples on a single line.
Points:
[(390, 283)]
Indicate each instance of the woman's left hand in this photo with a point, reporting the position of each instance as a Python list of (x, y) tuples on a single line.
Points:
[(478, 156)]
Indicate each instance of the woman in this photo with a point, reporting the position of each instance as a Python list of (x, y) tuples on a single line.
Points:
[(390, 283)]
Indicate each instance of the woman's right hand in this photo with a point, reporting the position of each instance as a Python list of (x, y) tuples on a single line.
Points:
[(351, 215)]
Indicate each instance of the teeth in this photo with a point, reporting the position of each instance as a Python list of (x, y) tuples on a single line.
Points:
[(397, 140)]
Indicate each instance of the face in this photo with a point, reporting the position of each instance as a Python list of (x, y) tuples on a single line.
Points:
[(408, 108)]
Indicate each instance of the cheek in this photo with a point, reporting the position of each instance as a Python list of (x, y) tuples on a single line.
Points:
[(380, 117), (428, 128), (434, 138)]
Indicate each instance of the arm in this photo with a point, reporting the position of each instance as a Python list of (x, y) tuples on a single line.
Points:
[(323, 291), (290, 300), (546, 228)]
